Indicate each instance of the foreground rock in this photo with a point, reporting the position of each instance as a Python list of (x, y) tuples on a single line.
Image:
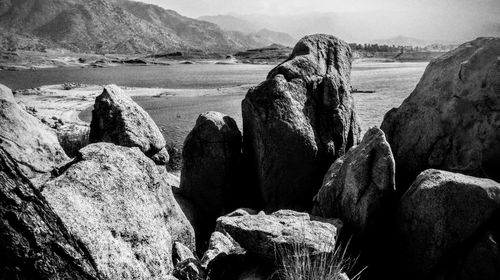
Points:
[(445, 223), (299, 121), (451, 120), (34, 242), (262, 234), (117, 119), (360, 187), (210, 170), (114, 200), (32, 146)]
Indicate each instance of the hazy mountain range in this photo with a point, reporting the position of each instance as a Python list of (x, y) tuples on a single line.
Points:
[(115, 26)]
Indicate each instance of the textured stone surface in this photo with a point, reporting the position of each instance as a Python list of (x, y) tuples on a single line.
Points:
[(441, 217), (114, 200), (451, 121), (117, 119), (261, 234), (34, 242), (359, 186), (210, 170), (30, 144), (218, 244), (6, 94), (298, 121)]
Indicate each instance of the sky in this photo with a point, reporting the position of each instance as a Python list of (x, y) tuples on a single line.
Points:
[(425, 19)]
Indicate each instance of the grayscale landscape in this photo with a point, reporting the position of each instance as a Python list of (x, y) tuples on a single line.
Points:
[(250, 140)]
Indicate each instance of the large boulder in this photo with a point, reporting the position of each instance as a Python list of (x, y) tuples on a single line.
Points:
[(34, 242), (117, 119), (451, 121), (445, 217), (298, 121), (210, 169), (263, 234), (30, 144), (360, 186), (117, 203)]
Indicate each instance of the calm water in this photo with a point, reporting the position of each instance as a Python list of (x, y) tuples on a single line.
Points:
[(393, 82)]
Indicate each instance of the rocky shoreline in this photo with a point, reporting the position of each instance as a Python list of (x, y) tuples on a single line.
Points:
[(279, 198)]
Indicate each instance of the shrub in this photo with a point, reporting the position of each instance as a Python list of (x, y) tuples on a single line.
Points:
[(297, 263)]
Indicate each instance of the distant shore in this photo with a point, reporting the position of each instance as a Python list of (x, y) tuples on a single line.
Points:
[(31, 60)]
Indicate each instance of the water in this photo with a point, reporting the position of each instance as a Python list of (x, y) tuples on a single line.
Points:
[(176, 115)]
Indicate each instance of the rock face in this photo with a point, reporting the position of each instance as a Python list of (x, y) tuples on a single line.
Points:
[(261, 234), (360, 185), (117, 119), (6, 94), (32, 146), (451, 120), (446, 217), (114, 200), (34, 242), (211, 160), (298, 121)]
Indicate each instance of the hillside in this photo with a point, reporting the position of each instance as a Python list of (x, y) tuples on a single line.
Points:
[(112, 26), (252, 29)]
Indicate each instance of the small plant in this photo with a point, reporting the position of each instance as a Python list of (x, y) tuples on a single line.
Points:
[(298, 263)]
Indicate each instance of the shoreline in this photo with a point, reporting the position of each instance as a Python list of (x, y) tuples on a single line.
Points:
[(67, 104)]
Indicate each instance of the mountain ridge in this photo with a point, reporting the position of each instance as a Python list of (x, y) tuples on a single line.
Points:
[(113, 26)]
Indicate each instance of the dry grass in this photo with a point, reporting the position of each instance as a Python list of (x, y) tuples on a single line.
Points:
[(297, 263), (72, 138)]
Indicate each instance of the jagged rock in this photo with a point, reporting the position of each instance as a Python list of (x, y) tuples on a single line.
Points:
[(298, 121), (114, 200), (189, 269), (162, 157), (6, 94), (210, 169), (441, 218), (220, 243), (360, 186), (117, 119), (31, 145), (261, 234), (452, 118), (34, 242), (181, 253)]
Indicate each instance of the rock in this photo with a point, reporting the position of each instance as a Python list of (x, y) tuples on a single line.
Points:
[(262, 234), (298, 121), (31, 145), (452, 118), (6, 94), (181, 253), (210, 169), (73, 137), (114, 200), (360, 186), (34, 242), (117, 119), (440, 217), (220, 243), (162, 157), (189, 269)]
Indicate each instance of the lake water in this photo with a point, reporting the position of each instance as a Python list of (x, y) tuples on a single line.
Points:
[(176, 115)]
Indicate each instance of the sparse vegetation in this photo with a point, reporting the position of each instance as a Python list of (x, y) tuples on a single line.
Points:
[(72, 138), (297, 263)]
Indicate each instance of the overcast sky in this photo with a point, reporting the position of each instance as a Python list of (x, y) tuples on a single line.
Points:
[(427, 19)]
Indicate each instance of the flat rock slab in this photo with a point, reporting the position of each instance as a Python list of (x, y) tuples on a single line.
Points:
[(263, 234)]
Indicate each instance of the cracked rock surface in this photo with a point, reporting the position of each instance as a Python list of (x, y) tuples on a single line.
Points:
[(298, 121)]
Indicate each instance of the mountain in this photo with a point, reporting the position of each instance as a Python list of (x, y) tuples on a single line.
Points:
[(232, 23), (112, 26), (229, 22)]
